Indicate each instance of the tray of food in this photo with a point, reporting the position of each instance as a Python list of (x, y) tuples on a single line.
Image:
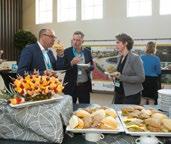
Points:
[(95, 119), (33, 89), (139, 121), (20, 102)]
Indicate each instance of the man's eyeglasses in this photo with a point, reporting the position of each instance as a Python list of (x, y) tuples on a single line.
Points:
[(51, 36)]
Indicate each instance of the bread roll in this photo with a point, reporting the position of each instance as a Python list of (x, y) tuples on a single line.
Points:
[(159, 116), (97, 116), (87, 121), (167, 124), (138, 107), (111, 112), (153, 122), (109, 123), (127, 110), (82, 113), (80, 124), (73, 122), (97, 112)]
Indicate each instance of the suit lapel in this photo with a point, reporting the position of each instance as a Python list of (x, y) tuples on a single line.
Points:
[(71, 52), (126, 63)]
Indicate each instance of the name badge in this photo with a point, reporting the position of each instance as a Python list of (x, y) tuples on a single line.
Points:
[(79, 72), (117, 83)]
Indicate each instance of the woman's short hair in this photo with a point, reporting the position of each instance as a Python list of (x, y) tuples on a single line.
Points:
[(151, 48), (125, 38)]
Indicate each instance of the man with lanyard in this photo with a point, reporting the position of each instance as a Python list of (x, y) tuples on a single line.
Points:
[(77, 77), (37, 56)]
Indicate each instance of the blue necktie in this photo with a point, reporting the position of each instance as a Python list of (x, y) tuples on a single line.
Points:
[(47, 60)]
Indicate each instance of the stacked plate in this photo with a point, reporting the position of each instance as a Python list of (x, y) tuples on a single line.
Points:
[(164, 99)]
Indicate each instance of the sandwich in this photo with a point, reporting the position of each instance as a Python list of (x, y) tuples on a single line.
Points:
[(153, 124), (109, 123), (73, 122), (110, 112), (136, 128), (82, 113), (76, 123), (159, 116), (166, 125)]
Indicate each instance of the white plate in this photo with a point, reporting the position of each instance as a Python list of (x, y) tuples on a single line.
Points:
[(118, 130), (165, 92), (163, 134), (84, 65), (26, 104)]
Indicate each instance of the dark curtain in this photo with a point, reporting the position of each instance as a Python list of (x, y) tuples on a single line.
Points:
[(10, 23)]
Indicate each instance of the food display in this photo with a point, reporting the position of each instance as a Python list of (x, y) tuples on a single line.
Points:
[(35, 87), (137, 120), (103, 119)]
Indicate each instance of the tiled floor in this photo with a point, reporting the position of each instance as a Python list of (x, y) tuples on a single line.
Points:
[(101, 98)]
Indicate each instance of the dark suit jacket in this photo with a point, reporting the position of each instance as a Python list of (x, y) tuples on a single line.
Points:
[(71, 73), (32, 58)]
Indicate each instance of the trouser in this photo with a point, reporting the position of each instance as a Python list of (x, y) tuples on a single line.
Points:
[(151, 86), (131, 99), (82, 93)]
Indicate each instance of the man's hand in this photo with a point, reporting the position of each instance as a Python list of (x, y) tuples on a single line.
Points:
[(75, 61)]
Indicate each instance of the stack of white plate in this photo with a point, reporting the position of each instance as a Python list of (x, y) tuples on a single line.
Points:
[(164, 99)]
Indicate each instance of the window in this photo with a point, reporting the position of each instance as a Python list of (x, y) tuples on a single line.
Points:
[(139, 8), (165, 7), (92, 9), (66, 10), (43, 11)]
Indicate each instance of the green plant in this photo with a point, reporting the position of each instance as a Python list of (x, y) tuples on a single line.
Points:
[(22, 38)]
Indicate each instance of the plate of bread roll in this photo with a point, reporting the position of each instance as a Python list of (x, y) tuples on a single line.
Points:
[(99, 119), (138, 120)]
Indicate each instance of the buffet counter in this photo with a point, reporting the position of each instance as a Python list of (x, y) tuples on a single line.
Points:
[(78, 138)]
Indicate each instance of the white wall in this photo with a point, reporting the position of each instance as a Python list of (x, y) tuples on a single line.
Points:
[(114, 22)]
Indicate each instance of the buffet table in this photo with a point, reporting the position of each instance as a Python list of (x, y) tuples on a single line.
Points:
[(70, 138), (43, 123)]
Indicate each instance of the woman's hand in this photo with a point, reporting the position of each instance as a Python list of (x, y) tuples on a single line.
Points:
[(115, 74)]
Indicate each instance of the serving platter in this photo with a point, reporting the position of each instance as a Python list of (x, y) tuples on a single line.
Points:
[(54, 98), (118, 130), (162, 134)]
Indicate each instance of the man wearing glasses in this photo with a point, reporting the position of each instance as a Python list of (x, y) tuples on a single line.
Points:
[(38, 56)]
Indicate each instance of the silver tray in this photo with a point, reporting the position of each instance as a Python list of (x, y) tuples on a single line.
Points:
[(163, 134), (26, 104), (118, 130)]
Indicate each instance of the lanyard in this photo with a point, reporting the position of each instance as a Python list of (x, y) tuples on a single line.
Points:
[(76, 53)]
